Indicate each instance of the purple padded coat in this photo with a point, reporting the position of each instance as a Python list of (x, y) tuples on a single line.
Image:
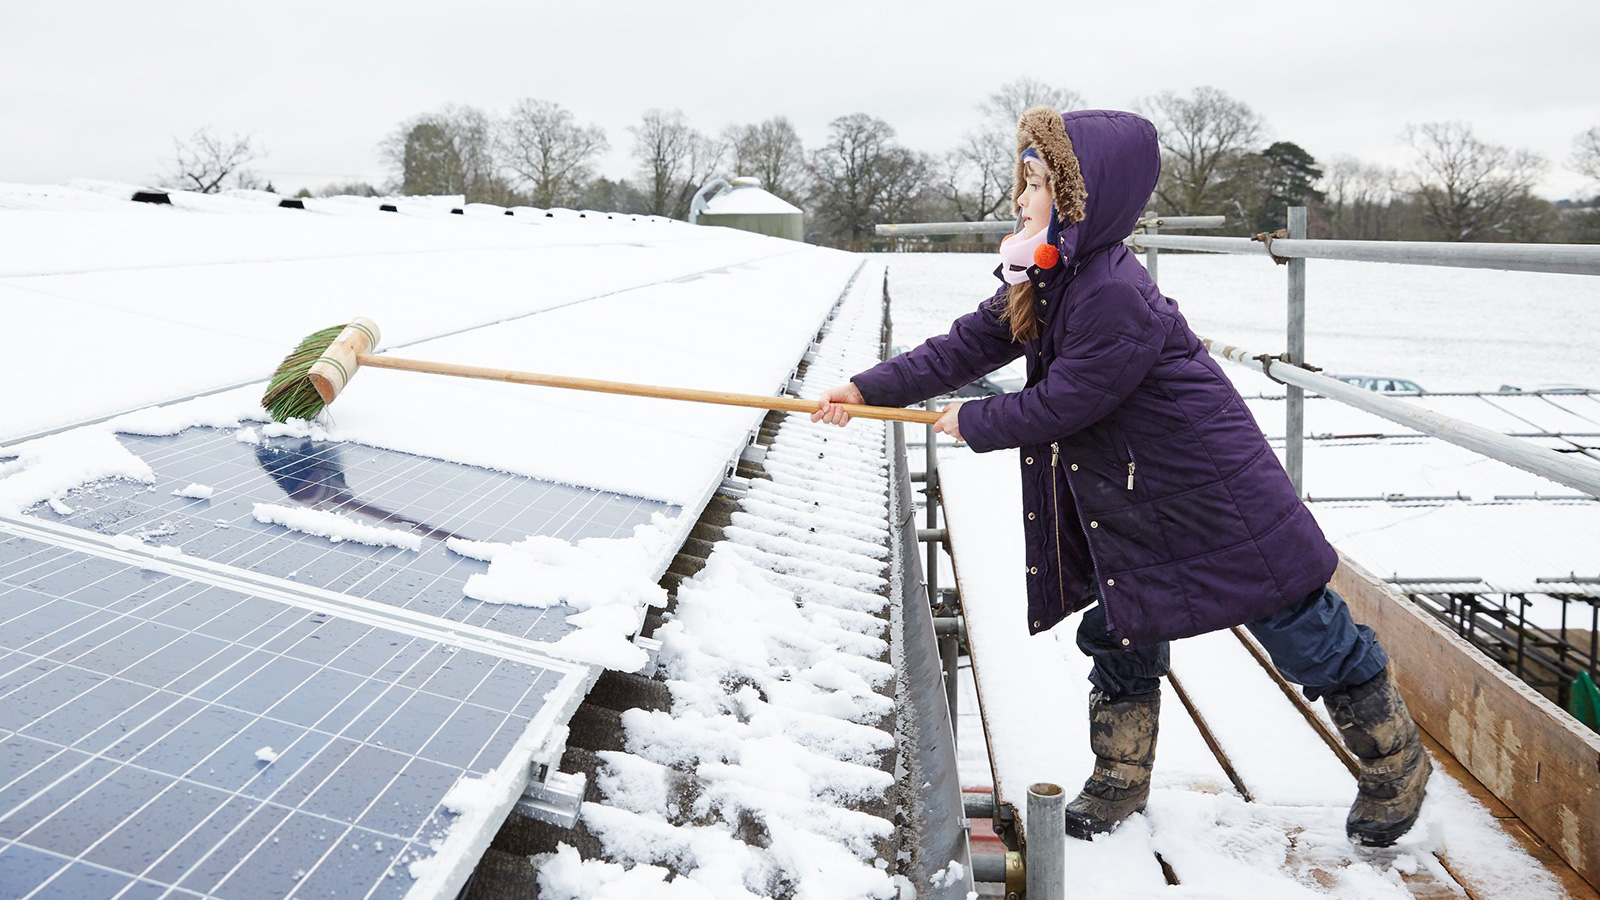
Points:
[(1146, 482)]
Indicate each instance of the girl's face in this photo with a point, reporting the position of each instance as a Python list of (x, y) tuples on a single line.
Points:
[(1036, 200)]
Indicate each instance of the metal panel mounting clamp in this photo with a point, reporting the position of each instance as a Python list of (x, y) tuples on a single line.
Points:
[(554, 800)]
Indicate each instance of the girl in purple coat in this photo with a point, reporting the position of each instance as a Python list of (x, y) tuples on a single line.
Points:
[(1150, 495)]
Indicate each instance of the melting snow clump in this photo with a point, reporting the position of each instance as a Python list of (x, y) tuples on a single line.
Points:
[(335, 527)]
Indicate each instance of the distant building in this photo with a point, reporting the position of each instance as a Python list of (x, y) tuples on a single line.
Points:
[(742, 203)]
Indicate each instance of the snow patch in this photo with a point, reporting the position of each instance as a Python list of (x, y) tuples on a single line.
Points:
[(267, 755), (483, 551), (335, 527), (129, 542), (195, 492), (609, 581), (49, 467), (544, 571)]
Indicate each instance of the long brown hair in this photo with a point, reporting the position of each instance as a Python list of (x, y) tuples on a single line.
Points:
[(1022, 312)]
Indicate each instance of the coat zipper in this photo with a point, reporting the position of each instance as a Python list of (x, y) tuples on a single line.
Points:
[(1131, 462), (1055, 501), (1094, 562)]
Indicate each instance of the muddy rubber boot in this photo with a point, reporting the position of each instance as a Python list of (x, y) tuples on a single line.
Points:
[(1378, 729), (1122, 734)]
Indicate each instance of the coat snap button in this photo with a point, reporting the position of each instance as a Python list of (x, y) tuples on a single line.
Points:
[(1041, 284), (1094, 524), (1043, 302), (1036, 624), (1033, 570), (1111, 582), (1030, 517), (1029, 460), (1124, 640), (1074, 467)]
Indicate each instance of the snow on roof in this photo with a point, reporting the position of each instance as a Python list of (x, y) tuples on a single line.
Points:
[(195, 303), (745, 200), (133, 318), (779, 682)]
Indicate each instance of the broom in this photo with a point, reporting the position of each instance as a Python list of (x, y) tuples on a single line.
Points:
[(310, 377)]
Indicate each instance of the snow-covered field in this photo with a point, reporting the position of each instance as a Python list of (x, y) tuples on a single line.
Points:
[(1446, 329)]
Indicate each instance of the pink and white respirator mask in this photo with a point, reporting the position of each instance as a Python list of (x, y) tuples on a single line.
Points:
[(1017, 253)]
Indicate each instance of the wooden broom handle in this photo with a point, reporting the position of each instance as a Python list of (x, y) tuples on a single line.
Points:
[(787, 404)]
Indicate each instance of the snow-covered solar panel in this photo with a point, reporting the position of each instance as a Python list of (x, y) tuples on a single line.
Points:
[(216, 497), (160, 736)]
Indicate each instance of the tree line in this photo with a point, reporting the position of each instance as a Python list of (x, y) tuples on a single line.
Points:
[(1215, 159)]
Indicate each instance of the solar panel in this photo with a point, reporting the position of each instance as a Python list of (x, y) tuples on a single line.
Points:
[(137, 709), (430, 498)]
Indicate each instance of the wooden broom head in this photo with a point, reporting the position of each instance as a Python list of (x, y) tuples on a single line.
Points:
[(338, 364)]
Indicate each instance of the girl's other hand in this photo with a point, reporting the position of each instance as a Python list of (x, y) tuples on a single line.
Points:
[(828, 409), (950, 421)]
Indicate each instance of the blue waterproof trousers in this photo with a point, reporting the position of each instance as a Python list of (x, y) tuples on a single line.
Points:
[(1314, 643)]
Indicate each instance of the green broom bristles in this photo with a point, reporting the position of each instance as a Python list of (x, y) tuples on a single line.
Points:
[(290, 394)]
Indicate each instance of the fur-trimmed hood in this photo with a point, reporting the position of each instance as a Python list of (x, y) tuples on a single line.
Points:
[(1103, 166)]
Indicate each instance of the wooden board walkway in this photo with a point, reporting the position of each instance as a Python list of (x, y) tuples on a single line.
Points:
[(1251, 785)]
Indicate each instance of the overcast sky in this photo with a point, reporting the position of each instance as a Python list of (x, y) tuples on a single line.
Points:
[(99, 89)]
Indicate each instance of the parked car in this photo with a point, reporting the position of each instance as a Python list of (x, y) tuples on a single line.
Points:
[(1383, 384)]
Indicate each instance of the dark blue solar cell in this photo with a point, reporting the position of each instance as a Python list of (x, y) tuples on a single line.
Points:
[(23, 868), (115, 795), (360, 858), (83, 882), (177, 811), (243, 840), (53, 784)]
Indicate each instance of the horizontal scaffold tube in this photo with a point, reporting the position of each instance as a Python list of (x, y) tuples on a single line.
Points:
[(1574, 259), (1568, 469), (1183, 222), (1002, 226), (927, 228)]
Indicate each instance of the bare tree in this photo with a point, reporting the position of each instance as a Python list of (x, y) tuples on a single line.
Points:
[(1586, 153), (549, 152), (674, 159), (1469, 190), (1005, 106), (905, 176), (208, 163), (862, 177), (448, 152), (1206, 139), (1360, 200), (978, 176), (771, 151)]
